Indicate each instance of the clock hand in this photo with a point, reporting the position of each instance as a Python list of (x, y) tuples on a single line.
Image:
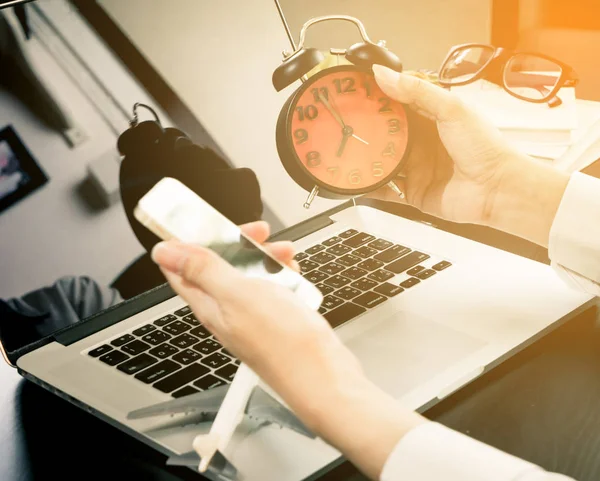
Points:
[(359, 139), (337, 116), (346, 134)]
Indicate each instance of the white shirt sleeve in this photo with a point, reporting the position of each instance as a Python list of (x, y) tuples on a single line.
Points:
[(574, 246), (432, 452)]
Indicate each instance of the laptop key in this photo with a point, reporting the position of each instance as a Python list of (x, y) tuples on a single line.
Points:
[(370, 299), (144, 330), (113, 358), (347, 293), (413, 281), (348, 233), (406, 262), (181, 377), (331, 302), (343, 314), (137, 363), (135, 347), (184, 311), (103, 349), (364, 284), (208, 382), (177, 327), (157, 371), (200, 332), (440, 266), (300, 256), (322, 258), (380, 276), (163, 351), (392, 253), (354, 273), (380, 244), (337, 281), (322, 310), (426, 274), (208, 346), (163, 321), (315, 249), (388, 289), (186, 391), (332, 268), (227, 372), (307, 265), (339, 250), (348, 260), (415, 270), (325, 289), (186, 357), (184, 341), (191, 319), (365, 252), (371, 264), (332, 241), (358, 240), (315, 277), (124, 339), (155, 338), (215, 360)]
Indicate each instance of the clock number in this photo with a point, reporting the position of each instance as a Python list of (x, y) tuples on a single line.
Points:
[(393, 126), (310, 112), (313, 159), (389, 151), (333, 171), (301, 136), (345, 85), (377, 169), (320, 92), (385, 107), (354, 177), (367, 86)]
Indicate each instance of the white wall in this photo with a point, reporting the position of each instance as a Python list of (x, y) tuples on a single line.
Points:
[(219, 57), (52, 232)]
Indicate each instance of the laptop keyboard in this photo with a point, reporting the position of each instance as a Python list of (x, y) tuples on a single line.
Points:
[(175, 354), (354, 271)]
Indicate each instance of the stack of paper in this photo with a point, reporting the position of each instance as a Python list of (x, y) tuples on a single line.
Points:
[(556, 134)]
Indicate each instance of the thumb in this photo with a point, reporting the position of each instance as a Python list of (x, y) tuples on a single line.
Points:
[(197, 265), (424, 97)]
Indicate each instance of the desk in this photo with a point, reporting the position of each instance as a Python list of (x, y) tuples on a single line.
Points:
[(542, 405)]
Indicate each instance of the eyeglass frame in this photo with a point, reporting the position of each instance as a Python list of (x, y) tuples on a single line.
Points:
[(501, 56)]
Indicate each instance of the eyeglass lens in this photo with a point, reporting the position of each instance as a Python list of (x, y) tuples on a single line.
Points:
[(530, 76), (464, 63)]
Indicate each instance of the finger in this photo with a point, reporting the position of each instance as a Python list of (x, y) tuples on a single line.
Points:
[(282, 251), (421, 95), (258, 231), (198, 266)]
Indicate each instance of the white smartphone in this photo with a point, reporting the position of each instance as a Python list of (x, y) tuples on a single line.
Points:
[(173, 211)]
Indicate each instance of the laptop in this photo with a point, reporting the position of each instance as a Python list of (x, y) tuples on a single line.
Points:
[(425, 311)]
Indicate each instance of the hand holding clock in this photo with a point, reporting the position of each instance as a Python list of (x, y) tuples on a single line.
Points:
[(461, 169)]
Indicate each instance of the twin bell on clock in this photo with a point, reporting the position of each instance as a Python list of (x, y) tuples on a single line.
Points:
[(339, 135)]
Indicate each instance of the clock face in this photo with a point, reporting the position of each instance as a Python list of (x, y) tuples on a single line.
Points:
[(346, 132)]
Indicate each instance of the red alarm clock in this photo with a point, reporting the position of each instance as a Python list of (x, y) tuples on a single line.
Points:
[(339, 135)]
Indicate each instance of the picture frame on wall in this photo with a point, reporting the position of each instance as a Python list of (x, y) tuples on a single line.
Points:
[(20, 174)]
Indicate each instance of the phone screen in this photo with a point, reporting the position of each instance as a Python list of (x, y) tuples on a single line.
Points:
[(179, 213)]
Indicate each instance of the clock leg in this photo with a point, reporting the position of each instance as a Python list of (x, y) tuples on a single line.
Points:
[(392, 185), (311, 197)]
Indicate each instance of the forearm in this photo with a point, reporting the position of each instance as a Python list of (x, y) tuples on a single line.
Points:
[(527, 199)]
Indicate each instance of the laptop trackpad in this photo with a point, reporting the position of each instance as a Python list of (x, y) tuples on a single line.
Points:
[(405, 350)]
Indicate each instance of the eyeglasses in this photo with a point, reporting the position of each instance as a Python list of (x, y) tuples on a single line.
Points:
[(527, 76)]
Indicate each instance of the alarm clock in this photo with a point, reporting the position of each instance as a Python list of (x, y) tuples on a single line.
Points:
[(338, 135)]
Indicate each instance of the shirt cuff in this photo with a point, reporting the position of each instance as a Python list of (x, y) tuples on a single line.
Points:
[(575, 234), (432, 451)]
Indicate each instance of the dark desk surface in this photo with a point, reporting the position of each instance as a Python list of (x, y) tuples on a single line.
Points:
[(542, 405)]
